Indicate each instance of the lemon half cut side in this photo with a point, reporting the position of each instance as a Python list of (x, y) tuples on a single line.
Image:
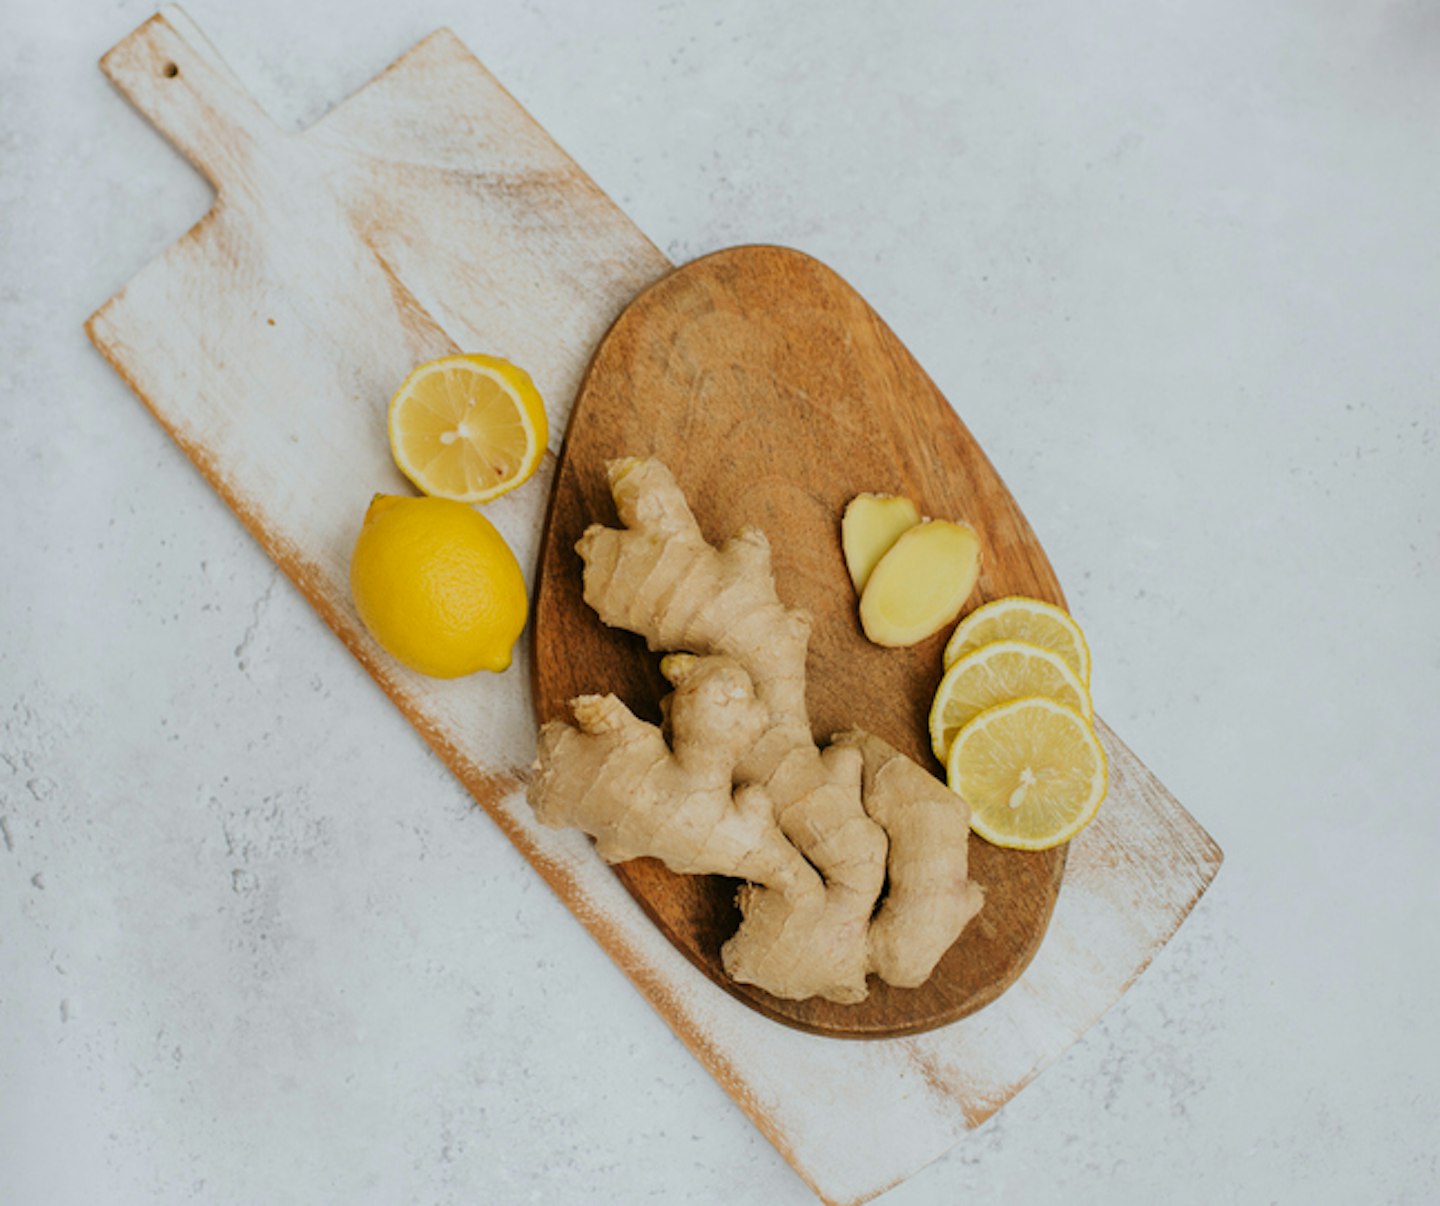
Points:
[(468, 428)]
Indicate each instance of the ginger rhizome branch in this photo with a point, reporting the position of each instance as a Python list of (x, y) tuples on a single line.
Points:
[(742, 789), (930, 898), (679, 804)]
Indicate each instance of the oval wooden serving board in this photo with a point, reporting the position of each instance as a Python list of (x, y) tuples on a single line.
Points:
[(775, 394)]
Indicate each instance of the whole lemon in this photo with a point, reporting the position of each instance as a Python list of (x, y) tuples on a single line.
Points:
[(437, 586)]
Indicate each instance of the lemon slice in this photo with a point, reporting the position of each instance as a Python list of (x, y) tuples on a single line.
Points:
[(1032, 772), (468, 428), (1020, 619), (995, 674)]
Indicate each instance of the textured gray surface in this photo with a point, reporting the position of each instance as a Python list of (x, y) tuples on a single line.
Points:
[(1178, 271)]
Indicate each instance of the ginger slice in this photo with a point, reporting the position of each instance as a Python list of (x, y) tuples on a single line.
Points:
[(738, 716), (920, 585), (870, 525)]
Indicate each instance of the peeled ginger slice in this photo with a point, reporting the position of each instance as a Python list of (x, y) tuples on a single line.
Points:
[(870, 527), (920, 585)]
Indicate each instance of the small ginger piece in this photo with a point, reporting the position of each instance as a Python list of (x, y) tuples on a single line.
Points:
[(871, 524), (920, 585), (743, 789)]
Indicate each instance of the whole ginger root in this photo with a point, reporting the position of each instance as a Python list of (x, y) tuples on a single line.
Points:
[(742, 788)]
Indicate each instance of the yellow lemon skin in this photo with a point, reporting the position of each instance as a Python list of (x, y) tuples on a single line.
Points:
[(437, 586)]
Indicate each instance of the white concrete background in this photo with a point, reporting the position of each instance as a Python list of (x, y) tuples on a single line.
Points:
[(1178, 266)]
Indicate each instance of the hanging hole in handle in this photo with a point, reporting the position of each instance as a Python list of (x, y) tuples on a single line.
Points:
[(170, 71)]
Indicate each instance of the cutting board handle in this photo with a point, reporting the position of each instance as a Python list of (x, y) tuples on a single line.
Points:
[(172, 75)]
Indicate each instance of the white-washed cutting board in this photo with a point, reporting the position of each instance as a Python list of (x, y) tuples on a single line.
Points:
[(430, 213)]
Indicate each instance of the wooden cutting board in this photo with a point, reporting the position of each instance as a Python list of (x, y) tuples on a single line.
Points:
[(427, 213), (776, 394)]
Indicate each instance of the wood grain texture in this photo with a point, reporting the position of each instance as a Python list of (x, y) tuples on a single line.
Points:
[(776, 394), (267, 341)]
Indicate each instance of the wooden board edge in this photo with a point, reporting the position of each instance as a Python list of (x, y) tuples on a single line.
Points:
[(1204, 858), (976, 1116)]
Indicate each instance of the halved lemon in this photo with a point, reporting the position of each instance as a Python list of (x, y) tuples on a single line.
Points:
[(995, 674), (1017, 618), (468, 428), (1032, 772)]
